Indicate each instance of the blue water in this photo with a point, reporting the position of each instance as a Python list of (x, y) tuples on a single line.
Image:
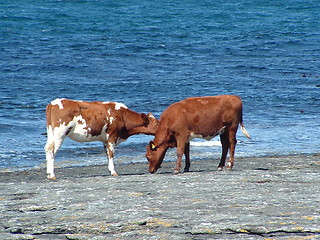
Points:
[(149, 54)]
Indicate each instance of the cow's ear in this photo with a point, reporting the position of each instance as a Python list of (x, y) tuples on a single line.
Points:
[(150, 115), (145, 119), (152, 146)]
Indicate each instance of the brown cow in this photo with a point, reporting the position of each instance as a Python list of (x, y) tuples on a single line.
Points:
[(197, 117), (107, 122)]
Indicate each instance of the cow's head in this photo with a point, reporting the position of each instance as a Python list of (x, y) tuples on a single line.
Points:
[(155, 155), (145, 119), (149, 125)]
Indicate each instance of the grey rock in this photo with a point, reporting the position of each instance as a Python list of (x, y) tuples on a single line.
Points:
[(265, 197)]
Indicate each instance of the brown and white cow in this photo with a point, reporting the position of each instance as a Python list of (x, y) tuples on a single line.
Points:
[(197, 117), (107, 122)]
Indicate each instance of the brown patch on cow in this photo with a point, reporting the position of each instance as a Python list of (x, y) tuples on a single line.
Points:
[(196, 119), (203, 101), (95, 132), (94, 127)]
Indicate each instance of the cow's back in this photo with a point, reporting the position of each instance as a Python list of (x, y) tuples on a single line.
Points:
[(200, 113)]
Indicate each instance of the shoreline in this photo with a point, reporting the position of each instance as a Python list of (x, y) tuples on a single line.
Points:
[(275, 197), (144, 162)]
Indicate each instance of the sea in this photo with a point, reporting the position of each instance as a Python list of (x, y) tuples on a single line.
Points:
[(150, 54)]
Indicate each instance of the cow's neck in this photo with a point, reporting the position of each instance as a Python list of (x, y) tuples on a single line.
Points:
[(132, 119), (162, 135), (140, 130)]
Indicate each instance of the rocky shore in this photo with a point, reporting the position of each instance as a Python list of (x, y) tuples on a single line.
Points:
[(274, 197)]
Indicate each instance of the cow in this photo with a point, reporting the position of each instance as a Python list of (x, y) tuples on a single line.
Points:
[(107, 122), (196, 117)]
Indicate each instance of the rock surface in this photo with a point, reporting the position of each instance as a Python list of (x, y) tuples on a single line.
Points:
[(262, 198)]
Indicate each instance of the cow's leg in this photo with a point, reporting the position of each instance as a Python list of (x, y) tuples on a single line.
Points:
[(181, 145), (49, 149), (54, 142), (110, 148), (224, 138), (233, 142), (187, 155)]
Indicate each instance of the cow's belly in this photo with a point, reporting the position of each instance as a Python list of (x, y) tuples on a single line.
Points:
[(81, 133), (207, 137), (194, 135), (80, 137)]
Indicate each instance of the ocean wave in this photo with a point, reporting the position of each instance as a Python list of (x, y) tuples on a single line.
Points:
[(211, 143)]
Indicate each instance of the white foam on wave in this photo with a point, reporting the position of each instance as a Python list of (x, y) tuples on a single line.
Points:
[(211, 143)]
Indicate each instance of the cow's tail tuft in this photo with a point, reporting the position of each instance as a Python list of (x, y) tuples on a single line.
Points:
[(244, 130)]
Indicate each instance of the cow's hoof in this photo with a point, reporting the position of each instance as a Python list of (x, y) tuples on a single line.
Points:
[(114, 174), (220, 168), (229, 166), (186, 170), (52, 178), (176, 172)]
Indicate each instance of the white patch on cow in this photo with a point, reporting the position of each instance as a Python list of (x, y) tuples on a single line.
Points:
[(58, 102), (80, 132), (151, 116), (111, 119), (49, 149), (119, 105), (49, 132), (60, 132), (111, 146)]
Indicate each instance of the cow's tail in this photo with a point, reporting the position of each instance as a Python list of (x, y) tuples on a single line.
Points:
[(48, 114), (50, 142), (243, 129)]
